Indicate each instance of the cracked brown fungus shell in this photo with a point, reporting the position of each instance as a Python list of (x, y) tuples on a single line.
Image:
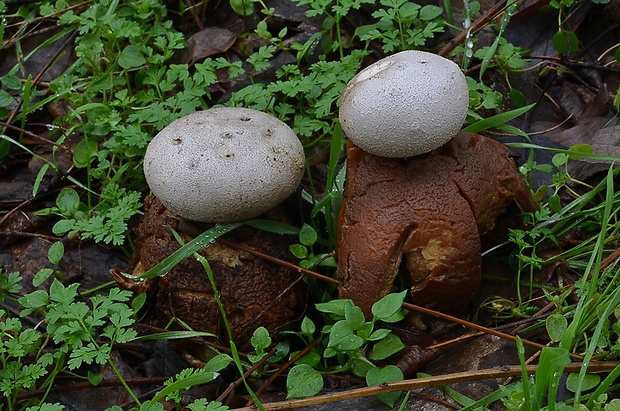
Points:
[(254, 292), (427, 212)]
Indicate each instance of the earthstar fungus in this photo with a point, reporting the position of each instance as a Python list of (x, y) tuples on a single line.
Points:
[(417, 192), (404, 105)]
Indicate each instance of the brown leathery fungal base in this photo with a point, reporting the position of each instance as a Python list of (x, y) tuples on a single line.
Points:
[(429, 210), (254, 292)]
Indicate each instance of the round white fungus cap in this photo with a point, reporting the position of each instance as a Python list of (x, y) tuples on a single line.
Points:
[(224, 164), (404, 105)]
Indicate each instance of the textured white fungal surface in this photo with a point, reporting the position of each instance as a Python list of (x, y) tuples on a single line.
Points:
[(404, 105), (224, 164)]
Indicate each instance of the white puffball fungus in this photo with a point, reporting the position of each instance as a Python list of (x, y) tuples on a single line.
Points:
[(224, 164), (404, 105)]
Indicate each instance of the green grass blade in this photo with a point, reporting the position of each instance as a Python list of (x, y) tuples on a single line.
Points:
[(496, 120)]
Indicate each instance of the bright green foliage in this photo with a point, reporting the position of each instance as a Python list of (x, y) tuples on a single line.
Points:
[(346, 338), (47, 407), (81, 333), (174, 387), (333, 11), (482, 96), (15, 344), (260, 341), (304, 251), (308, 100), (303, 381), (9, 284), (79, 327), (389, 373), (106, 222), (505, 56), (403, 25)]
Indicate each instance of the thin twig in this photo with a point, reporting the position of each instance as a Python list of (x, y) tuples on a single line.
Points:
[(434, 381)]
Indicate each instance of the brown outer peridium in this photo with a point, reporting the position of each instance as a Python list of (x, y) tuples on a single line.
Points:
[(431, 209)]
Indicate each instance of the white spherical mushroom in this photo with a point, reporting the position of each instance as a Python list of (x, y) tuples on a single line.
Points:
[(224, 164), (404, 105)]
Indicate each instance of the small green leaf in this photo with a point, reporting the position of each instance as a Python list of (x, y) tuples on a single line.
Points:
[(342, 337), (94, 379), (84, 153), (565, 42), (131, 57), (559, 160), (55, 252), (298, 250), (577, 149), (303, 381), (556, 325), (307, 326), (242, 7), (388, 305), (138, 302), (389, 373), (388, 346), (555, 203), (260, 339), (354, 315), (307, 235), (361, 366), (68, 202), (517, 97), (430, 12), (5, 99), (590, 381), (336, 307), (379, 334), (63, 226), (311, 358), (41, 275), (560, 42)]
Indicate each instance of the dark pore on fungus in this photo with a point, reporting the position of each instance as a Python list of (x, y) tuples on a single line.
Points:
[(427, 211)]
